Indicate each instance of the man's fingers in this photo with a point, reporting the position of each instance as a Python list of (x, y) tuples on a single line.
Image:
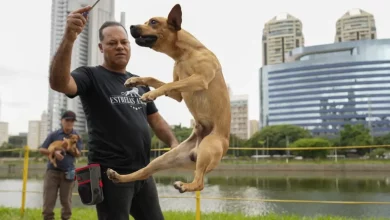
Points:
[(77, 23), (75, 27), (81, 10), (78, 17)]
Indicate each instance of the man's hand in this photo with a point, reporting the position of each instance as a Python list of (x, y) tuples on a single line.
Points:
[(58, 155), (75, 23)]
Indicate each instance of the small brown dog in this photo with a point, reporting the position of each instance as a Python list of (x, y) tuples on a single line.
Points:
[(67, 144), (198, 79)]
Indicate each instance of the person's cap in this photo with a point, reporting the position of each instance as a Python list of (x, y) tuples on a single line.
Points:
[(69, 115)]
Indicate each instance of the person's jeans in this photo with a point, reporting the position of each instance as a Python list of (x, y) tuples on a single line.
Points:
[(54, 181), (139, 198)]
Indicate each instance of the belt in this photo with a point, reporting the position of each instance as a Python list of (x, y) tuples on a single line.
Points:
[(56, 169)]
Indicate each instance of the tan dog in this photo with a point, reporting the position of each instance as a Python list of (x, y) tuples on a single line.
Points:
[(198, 79), (67, 144)]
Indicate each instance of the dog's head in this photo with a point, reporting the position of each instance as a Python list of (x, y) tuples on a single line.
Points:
[(73, 138), (158, 32)]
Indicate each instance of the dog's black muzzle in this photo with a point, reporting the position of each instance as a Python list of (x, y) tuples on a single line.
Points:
[(142, 40)]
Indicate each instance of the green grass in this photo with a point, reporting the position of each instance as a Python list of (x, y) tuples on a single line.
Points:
[(90, 214)]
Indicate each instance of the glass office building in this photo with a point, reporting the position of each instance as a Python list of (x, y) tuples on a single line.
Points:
[(324, 87)]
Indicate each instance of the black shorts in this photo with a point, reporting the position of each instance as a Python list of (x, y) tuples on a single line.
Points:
[(139, 198)]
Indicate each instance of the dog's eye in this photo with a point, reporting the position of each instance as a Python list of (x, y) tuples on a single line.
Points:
[(153, 22)]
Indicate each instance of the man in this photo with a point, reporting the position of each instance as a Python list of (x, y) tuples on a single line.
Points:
[(117, 119), (61, 177)]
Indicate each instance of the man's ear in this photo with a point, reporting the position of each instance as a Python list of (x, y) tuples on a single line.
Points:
[(101, 47), (174, 17)]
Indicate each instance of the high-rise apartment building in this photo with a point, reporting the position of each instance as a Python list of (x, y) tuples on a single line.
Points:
[(85, 52), (356, 24), (239, 116), (253, 127), (3, 132), (33, 134), (37, 132), (280, 35), (43, 128)]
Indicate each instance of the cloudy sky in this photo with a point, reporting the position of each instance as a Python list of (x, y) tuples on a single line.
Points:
[(231, 29)]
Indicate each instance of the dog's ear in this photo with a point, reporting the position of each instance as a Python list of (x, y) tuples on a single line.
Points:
[(174, 17)]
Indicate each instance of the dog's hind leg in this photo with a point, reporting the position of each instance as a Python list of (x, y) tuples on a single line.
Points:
[(178, 157), (209, 154)]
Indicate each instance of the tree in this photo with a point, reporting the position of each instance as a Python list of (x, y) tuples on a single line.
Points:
[(311, 142), (237, 142), (356, 135), (382, 140), (277, 136), (378, 152), (182, 133)]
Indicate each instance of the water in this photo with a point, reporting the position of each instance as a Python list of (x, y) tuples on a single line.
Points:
[(369, 186)]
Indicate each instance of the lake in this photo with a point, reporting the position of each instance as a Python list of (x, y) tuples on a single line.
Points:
[(327, 186)]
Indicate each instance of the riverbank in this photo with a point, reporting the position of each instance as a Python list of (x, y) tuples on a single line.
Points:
[(90, 214)]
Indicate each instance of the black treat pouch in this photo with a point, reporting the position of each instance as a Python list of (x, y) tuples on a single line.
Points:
[(90, 185)]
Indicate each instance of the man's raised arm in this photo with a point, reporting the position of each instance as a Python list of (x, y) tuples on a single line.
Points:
[(59, 77)]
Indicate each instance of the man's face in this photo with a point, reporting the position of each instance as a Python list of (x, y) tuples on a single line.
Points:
[(115, 46), (67, 124)]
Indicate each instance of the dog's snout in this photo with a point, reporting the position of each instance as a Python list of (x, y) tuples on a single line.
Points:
[(135, 31)]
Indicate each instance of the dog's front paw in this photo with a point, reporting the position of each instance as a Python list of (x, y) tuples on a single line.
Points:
[(135, 81), (179, 185), (113, 175), (149, 96)]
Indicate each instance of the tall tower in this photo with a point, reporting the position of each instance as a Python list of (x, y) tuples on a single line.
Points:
[(123, 19), (356, 24), (85, 52), (280, 35), (239, 121)]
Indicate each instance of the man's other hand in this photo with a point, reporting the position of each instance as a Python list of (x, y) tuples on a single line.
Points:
[(58, 155)]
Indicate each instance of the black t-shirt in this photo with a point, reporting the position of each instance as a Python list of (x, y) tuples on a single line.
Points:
[(118, 129)]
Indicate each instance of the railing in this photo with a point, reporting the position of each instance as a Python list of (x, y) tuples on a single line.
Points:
[(197, 197)]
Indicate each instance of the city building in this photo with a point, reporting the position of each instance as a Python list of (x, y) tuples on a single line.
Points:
[(253, 127), (37, 132), (356, 24), (123, 18), (43, 128), (324, 87), (85, 52), (280, 35), (33, 134), (239, 116), (3, 132)]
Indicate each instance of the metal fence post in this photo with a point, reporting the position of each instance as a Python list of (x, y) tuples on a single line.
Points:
[(197, 211)]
